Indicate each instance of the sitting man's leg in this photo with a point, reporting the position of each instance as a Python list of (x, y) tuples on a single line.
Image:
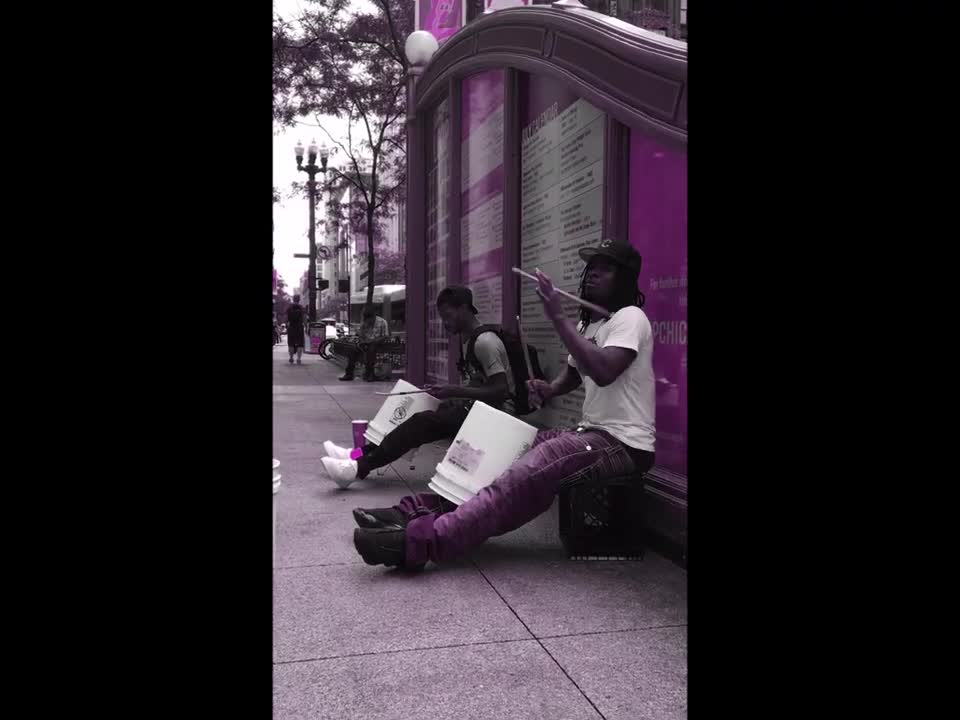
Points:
[(353, 355), (519, 495), (370, 359), (423, 427), (409, 507)]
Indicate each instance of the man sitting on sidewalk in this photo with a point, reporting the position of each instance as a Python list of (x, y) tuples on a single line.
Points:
[(373, 332), (492, 383), (615, 436)]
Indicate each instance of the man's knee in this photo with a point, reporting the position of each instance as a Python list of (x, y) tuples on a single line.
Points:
[(424, 418), (432, 422)]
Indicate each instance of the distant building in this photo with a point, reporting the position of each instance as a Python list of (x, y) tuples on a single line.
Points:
[(344, 243)]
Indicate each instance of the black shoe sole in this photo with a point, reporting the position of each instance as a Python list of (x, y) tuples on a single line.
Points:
[(365, 520)]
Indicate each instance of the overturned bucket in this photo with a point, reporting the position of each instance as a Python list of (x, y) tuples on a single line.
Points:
[(488, 443), (397, 409), (276, 489)]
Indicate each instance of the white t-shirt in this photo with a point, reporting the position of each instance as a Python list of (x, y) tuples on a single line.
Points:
[(626, 407)]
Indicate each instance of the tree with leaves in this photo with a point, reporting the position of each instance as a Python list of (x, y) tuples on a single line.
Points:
[(392, 269), (334, 61), (281, 300)]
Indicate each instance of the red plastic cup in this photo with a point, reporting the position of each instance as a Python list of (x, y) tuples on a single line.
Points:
[(359, 428)]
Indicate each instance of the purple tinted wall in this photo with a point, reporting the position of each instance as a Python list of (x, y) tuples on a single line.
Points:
[(658, 230), (481, 187)]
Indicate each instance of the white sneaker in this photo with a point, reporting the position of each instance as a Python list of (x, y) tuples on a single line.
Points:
[(342, 472), (335, 451)]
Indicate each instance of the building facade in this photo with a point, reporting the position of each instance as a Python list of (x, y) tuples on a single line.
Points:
[(533, 132)]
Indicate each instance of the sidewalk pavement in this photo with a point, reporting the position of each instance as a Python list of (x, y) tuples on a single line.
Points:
[(514, 631)]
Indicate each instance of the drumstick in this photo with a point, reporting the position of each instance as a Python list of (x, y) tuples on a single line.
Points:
[(526, 350), (585, 303), (405, 392)]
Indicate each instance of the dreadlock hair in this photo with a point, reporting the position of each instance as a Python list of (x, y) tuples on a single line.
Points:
[(625, 294)]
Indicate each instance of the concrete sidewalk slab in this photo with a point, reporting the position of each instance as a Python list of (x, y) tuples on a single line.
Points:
[(292, 375), (299, 390), (323, 612), (314, 489), (477, 682), (359, 408), (310, 407), (640, 675), (560, 597), (358, 387), (320, 495), (308, 539), (312, 433)]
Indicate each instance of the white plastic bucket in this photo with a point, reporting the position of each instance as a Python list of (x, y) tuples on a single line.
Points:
[(396, 410), (444, 487), (488, 443), (276, 489)]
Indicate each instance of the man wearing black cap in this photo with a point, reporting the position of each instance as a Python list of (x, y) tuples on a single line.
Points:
[(610, 354), (491, 383)]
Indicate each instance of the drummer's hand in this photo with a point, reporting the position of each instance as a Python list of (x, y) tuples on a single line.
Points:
[(442, 392), (549, 296), (538, 392)]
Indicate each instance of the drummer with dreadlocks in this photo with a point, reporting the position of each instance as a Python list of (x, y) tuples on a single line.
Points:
[(611, 357)]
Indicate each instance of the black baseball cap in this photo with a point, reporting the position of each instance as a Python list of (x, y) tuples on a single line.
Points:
[(621, 253), (457, 295)]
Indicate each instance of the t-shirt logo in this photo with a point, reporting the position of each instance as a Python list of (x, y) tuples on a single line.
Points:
[(606, 243)]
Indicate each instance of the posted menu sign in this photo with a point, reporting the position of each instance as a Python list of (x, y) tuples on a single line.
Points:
[(561, 212)]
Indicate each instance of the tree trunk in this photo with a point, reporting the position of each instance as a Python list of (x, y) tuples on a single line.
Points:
[(370, 258)]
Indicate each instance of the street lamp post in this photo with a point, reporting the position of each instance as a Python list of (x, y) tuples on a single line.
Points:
[(312, 169)]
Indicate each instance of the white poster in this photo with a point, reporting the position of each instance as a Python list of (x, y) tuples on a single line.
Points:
[(561, 212)]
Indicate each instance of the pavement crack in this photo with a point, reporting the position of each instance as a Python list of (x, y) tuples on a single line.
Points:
[(549, 654), (610, 632), (400, 650)]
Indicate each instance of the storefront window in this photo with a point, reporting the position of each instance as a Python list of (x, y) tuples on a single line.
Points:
[(481, 187), (561, 211), (437, 236)]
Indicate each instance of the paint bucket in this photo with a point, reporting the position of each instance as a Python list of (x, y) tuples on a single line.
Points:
[(276, 489), (446, 488), (488, 443), (396, 410)]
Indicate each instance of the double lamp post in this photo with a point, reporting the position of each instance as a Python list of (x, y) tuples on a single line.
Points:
[(311, 168)]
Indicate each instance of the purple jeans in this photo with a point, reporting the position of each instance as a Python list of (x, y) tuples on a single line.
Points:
[(439, 531)]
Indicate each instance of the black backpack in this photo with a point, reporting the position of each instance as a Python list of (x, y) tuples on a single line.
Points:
[(518, 366)]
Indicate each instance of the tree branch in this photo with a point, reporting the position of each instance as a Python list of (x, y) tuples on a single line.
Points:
[(387, 196), (385, 4), (356, 166), (380, 45), (397, 145), (332, 139), (344, 176)]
